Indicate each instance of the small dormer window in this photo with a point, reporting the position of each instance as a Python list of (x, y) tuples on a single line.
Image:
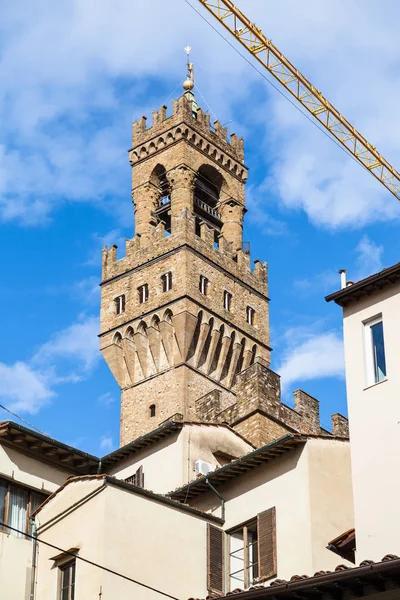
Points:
[(250, 313), (120, 304), (203, 285), (166, 281), (143, 292), (227, 300)]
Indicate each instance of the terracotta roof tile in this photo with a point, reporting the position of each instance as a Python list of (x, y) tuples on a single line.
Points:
[(367, 568)]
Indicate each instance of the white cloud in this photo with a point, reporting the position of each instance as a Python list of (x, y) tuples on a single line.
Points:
[(68, 357), (319, 283), (106, 399), (106, 443), (77, 343), (62, 64), (311, 356), (24, 388), (369, 257)]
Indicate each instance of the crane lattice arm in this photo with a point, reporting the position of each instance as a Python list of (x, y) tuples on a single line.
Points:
[(282, 69)]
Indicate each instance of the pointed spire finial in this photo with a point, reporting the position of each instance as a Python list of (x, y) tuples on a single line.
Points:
[(188, 84)]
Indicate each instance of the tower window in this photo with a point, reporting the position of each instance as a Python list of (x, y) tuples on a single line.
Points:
[(166, 281), (120, 304), (203, 285), (250, 312), (152, 409), (227, 300), (143, 292)]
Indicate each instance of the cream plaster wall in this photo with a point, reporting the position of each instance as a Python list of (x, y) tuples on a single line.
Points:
[(16, 553), (374, 417), (162, 464), (331, 497), (79, 527), (170, 463), (310, 488), (135, 536)]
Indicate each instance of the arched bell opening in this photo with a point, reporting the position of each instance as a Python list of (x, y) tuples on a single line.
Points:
[(162, 211), (209, 185)]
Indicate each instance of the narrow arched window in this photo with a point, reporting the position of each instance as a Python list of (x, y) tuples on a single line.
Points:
[(250, 313), (120, 304), (166, 281), (143, 292), (203, 285), (152, 409), (227, 300)]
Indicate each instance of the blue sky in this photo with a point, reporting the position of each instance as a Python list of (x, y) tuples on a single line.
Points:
[(74, 75)]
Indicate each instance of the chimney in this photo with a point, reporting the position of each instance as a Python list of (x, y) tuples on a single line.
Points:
[(343, 283)]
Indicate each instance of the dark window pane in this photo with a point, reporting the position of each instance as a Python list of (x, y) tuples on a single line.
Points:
[(378, 351), (36, 501)]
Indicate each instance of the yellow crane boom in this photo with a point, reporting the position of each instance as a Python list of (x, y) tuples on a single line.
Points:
[(253, 39)]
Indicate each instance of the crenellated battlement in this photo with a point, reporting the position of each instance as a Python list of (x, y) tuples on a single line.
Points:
[(192, 125), (138, 254)]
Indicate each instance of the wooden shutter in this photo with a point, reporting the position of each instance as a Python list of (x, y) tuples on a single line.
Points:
[(215, 559), (139, 477), (266, 524)]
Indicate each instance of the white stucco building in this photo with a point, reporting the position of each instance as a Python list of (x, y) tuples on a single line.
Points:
[(371, 329)]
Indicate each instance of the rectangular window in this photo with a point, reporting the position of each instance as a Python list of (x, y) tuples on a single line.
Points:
[(137, 478), (227, 300), (143, 292), (67, 581), (243, 556), (375, 351), (252, 551), (166, 281), (203, 285), (120, 304), (250, 312), (17, 504)]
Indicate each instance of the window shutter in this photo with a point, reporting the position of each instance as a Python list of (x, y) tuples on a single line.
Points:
[(140, 477), (215, 559), (266, 523)]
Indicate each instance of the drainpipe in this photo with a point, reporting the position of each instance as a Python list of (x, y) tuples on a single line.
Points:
[(220, 497), (34, 556)]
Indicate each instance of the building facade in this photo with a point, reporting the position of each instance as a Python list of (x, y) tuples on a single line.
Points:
[(217, 483), (371, 329)]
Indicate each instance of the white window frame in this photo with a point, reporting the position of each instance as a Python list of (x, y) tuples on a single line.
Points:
[(64, 565), (250, 315), (203, 285), (227, 300), (370, 374), (143, 291), (166, 280), (120, 304)]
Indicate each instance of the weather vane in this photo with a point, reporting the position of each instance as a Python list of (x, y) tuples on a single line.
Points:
[(188, 84)]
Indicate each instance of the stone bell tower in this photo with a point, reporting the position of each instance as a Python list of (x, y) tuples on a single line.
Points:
[(182, 314)]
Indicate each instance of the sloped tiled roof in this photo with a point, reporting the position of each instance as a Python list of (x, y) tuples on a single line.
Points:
[(342, 584), (239, 466), (130, 487), (366, 286)]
